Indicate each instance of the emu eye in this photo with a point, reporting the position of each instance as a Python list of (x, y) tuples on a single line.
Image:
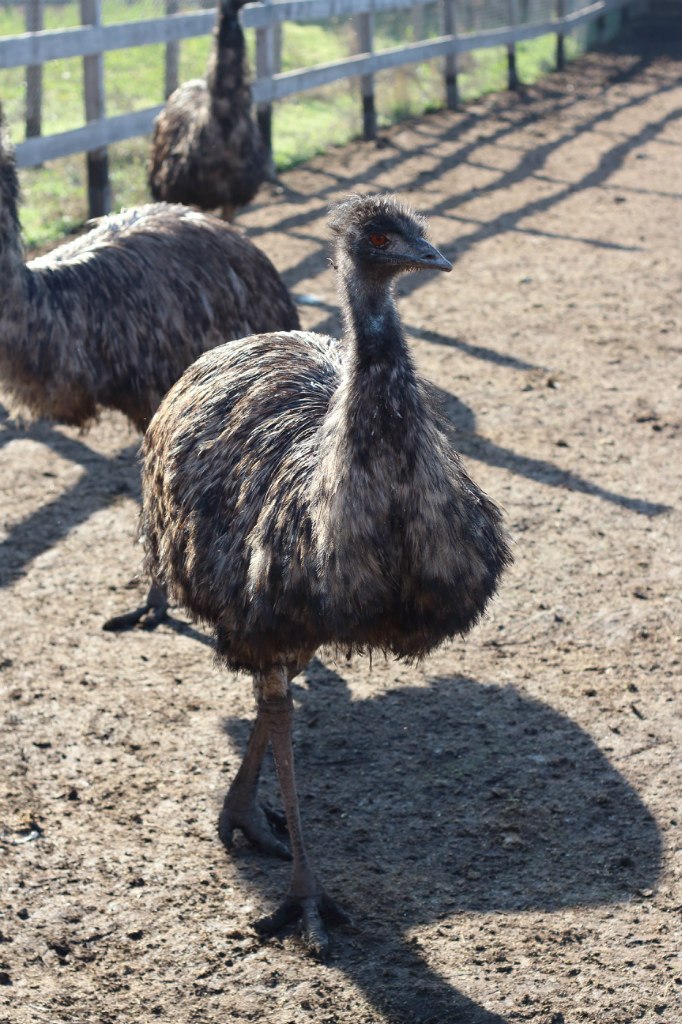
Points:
[(378, 240)]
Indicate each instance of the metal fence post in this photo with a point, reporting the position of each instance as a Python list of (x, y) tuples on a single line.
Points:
[(449, 15), (364, 32), (99, 190)]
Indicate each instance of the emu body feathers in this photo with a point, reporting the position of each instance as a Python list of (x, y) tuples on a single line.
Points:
[(299, 491), (111, 319)]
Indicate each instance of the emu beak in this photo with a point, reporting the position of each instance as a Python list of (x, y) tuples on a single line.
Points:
[(427, 256)]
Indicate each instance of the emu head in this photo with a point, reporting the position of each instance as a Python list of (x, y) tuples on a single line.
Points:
[(379, 236)]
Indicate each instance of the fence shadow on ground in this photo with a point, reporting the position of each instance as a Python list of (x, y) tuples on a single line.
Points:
[(106, 479), (455, 798), (530, 165), (529, 108), (473, 446)]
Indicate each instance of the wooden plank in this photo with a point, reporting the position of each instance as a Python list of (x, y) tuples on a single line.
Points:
[(255, 16), (55, 44), (99, 191), (350, 67), (37, 48), (34, 74), (33, 152), (100, 133)]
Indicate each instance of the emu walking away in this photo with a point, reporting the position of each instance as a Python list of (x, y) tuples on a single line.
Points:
[(111, 319), (298, 491), (207, 149)]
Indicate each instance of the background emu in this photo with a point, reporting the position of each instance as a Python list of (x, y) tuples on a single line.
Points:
[(207, 150), (111, 319), (299, 492)]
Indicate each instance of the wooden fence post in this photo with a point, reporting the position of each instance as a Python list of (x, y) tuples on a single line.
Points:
[(512, 76), (172, 55), (268, 62), (34, 74), (560, 53), (364, 32), (449, 11), (99, 190), (417, 22)]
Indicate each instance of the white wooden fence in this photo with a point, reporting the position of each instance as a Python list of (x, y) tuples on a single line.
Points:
[(93, 39)]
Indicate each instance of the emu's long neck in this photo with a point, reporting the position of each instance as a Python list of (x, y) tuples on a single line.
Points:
[(379, 399), (370, 443), (372, 323), (12, 269), (226, 76)]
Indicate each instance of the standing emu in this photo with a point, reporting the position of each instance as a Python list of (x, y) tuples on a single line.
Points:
[(300, 492), (207, 150), (111, 319)]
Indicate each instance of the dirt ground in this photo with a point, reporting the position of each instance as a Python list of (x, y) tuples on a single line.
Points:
[(502, 821)]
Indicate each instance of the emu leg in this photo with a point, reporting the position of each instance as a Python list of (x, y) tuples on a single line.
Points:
[(240, 809), (149, 614), (306, 899)]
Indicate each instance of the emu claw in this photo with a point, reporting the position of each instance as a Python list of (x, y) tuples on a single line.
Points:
[(148, 616), (313, 912), (259, 824)]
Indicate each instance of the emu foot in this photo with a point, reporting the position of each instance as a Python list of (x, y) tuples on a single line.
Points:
[(313, 912), (149, 615), (262, 827)]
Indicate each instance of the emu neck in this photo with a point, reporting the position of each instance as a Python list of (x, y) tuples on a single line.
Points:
[(372, 322), (379, 398), (226, 74), (12, 268)]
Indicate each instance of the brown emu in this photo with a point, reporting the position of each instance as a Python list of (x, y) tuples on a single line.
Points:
[(300, 492), (206, 148), (111, 319)]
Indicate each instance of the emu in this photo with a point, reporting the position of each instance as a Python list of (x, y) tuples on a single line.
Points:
[(206, 149), (111, 319), (300, 491)]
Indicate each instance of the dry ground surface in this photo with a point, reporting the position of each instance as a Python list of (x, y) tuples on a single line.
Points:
[(501, 820)]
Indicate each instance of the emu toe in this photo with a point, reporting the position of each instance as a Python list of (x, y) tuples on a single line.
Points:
[(313, 912), (149, 615), (264, 828)]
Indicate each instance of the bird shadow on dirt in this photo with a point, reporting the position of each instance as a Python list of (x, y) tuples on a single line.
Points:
[(104, 480), (421, 803)]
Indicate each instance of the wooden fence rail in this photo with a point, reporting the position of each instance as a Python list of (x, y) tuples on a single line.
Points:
[(93, 39)]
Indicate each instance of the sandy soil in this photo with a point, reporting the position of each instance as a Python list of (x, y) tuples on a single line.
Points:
[(502, 820)]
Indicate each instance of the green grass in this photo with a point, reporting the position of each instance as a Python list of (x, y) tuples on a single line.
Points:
[(55, 195)]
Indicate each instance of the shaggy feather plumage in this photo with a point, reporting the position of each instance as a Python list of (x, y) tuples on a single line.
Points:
[(298, 491), (206, 148), (111, 319)]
